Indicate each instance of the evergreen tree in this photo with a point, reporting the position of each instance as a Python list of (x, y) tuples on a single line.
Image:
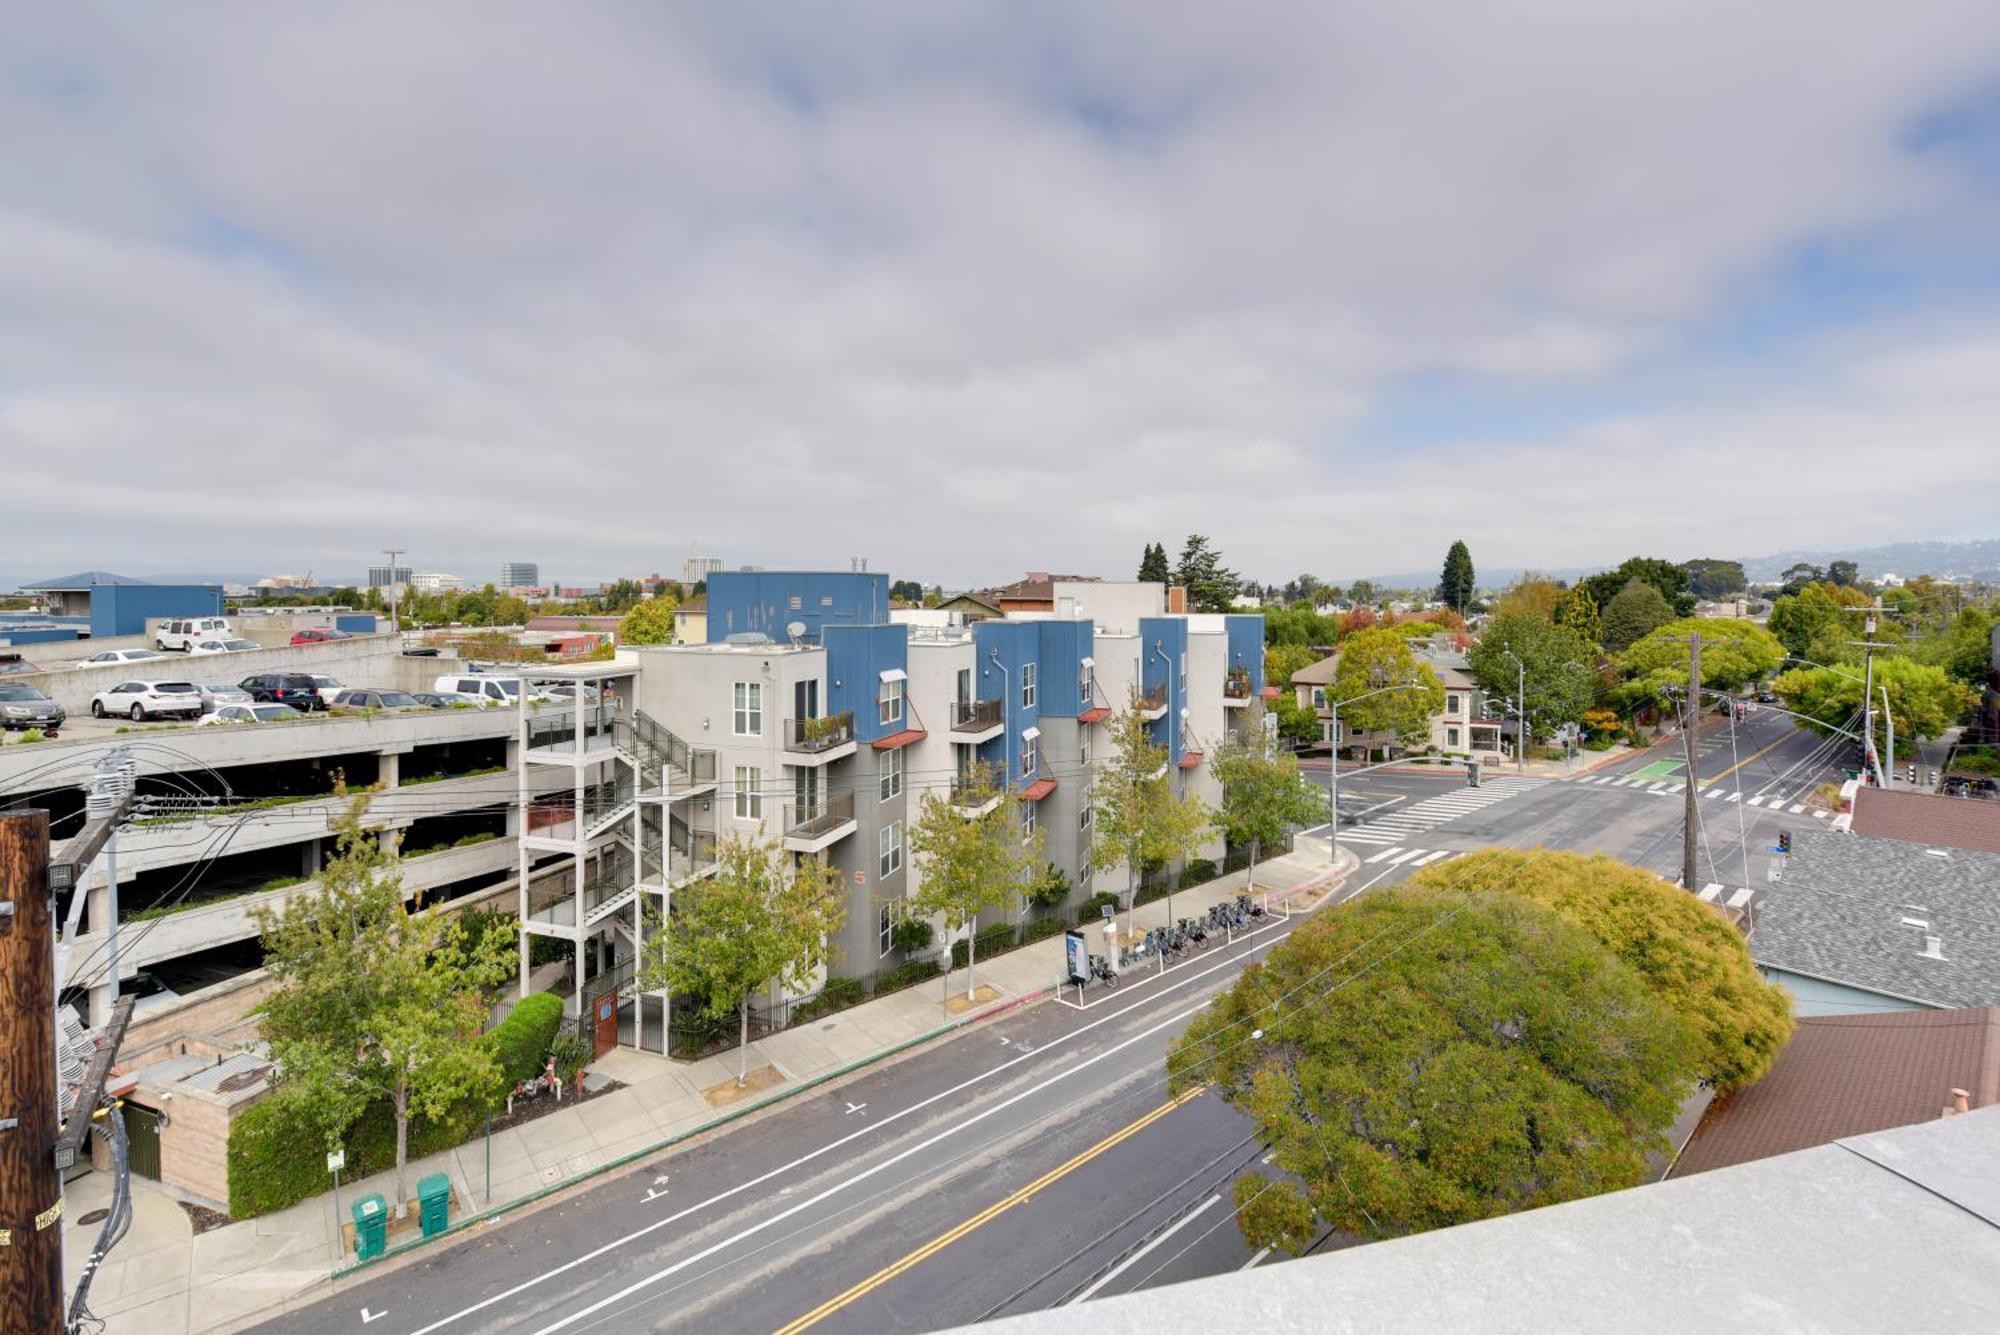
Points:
[(1637, 611), (1455, 584), (1153, 565), (1578, 612), (1211, 586)]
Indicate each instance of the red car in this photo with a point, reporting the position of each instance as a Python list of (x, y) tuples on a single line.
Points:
[(319, 635)]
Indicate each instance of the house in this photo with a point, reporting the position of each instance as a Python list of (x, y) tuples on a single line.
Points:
[(1034, 593), (1848, 1075), (1857, 925), (1926, 818), (970, 607), (691, 622), (1464, 729)]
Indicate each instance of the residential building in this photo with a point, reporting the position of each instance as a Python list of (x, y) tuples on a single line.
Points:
[(1033, 593), (387, 576), (1847, 1075), (969, 607), (520, 575), (1857, 925), (111, 605), (696, 569), (691, 622), (1465, 728), (436, 582), (1917, 817)]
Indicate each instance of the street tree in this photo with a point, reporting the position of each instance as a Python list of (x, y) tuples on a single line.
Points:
[(1637, 611), (1492, 1057), (1264, 797), (764, 916), (1455, 584), (1137, 820), (1963, 647), (1715, 579), (1811, 625), (907, 591), (1532, 594), (1924, 699), (970, 864), (374, 1002), (1298, 725), (1694, 961), (1578, 612), (1670, 579), (1371, 659), (1153, 568), (1734, 654), (1211, 586), (648, 622), (1560, 682)]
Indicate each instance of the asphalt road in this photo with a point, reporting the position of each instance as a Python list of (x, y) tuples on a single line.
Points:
[(1033, 1161)]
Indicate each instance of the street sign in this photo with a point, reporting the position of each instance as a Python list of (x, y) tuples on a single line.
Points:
[(336, 1160)]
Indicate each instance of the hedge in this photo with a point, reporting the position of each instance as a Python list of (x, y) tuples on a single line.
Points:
[(992, 940), (1036, 928), (521, 1041), (838, 994), (371, 1141), (276, 1157), (904, 975)]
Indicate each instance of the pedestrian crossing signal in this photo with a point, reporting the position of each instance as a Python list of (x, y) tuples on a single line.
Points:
[(1784, 841)]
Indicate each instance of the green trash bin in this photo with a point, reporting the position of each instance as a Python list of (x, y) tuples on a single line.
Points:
[(434, 1203), (371, 1227)]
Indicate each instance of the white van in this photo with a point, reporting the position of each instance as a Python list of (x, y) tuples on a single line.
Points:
[(488, 690), (183, 634)]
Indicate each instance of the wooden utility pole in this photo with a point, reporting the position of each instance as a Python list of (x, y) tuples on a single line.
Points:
[(1690, 837), (31, 1292)]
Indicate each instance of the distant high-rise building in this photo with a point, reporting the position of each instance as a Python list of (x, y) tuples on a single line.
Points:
[(381, 577), (436, 582), (520, 575), (697, 569)]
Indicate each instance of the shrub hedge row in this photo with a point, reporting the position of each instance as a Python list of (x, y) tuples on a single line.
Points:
[(521, 1041)]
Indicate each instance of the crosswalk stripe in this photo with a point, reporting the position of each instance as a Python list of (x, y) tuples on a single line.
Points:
[(1741, 897), (1432, 857), (1711, 891), (1819, 815), (1401, 858), (1798, 808), (1736, 796), (1757, 801), (1385, 853)]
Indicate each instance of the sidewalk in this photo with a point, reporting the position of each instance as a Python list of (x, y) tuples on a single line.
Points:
[(163, 1279)]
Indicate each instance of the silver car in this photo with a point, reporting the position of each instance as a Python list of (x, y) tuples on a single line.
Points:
[(24, 707), (213, 696)]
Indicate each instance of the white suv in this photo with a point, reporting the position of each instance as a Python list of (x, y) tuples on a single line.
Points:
[(490, 690), (142, 700), (184, 634)]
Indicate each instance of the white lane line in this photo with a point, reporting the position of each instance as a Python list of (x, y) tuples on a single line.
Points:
[(1432, 857), (1139, 1255), (1386, 853), (1251, 1264), (873, 1129)]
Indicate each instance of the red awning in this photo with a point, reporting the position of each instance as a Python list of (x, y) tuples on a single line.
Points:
[(1038, 790), (896, 741), (1189, 759), (1097, 715), (1273, 692)]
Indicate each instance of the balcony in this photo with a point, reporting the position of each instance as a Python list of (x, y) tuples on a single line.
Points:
[(973, 796), (1151, 703), (1236, 689), (817, 825), (977, 720), (821, 740)]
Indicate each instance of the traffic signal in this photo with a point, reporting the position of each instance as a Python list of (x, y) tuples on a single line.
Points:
[(1784, 841), (1471, 774)]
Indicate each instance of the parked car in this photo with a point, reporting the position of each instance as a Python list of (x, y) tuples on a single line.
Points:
[(319, 635), (284, 688), (491, 690), (328, 687), (230, 714), (567, 692), (184, 634), (223, 646), (371, 699), (123, 656), (213, 695), (10, 663), (25, 707), (447, 700), (150, 991), (142, 700)]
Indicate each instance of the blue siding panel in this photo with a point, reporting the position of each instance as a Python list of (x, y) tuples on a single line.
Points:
[(1245, 641), (1163, 643), (767, 601), (1064, 646), (356, 623), (124, 609), (1014, 644), (856, 658)]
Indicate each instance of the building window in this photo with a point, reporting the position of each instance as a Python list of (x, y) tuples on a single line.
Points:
[(889, 850), (748, 713), (885, 928), (1031, 754), (1028, 685), (1183, 686), (749, 793), (1083, 817), (1326, 731), (1083, 687), (1028, 820), (1454, 705), (1451, 737), (890, 701), (891, 774), (1083, 743), (1319, 697)]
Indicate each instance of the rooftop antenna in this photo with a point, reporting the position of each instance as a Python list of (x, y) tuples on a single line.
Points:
[(797, 630)]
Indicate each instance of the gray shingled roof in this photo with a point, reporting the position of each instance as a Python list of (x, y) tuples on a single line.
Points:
[(1839, 914)]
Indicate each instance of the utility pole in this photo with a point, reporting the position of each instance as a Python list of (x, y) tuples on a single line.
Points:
[(1333, 787), (31, 1292), (1868, 748), (1690, 837)]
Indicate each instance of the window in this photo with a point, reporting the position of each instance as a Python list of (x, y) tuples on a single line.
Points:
[(1028, 820), (1083, 743), (1083, 817), (749, 709), (1083, 684), (1183, 687), (1031, 752), (1451, 737), (1319, 697), (890, 699), (889, 850), (1028, 685), (891, 773), (749, 793), (1454, 704), (885, 928)]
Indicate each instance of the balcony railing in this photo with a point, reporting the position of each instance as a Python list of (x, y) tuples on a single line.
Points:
[(812, 819), (977, 715), (813, 735), (1150, 699), (1236, 686), (970, 792), (694, 850)]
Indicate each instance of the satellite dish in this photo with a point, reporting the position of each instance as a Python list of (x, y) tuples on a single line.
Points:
[(795, 629)]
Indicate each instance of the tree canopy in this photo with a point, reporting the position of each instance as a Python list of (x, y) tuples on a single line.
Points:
[(1137, 819), (1638, 609), (1734, 653), (648, 622), (1811, 625), (1372, 659), (1488, 1056), (1561, 683), (1455, 584), (1211, 586), (1578, 612), (1923, 698), (1531, 595), (1153, 566), (1669, 578), (1715, 579), (1263, 798), (972, 863)]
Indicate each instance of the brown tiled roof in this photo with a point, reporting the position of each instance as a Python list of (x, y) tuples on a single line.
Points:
[(1845, 1075), (1038, 584), (1926, 818)]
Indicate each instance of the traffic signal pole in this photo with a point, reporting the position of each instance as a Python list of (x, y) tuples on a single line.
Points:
[(1691, 836), (31, 1292)]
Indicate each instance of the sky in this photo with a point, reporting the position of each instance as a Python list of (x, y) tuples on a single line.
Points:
[(974, 289)]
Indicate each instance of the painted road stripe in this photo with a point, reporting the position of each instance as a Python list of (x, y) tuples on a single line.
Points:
[(1386, 853), (1741, 897), (1405, 857), (1757, 801), (1798, 809), (1819, 815), (1710, 891), (1433, 857), (1135, 1257), (1736, 796)]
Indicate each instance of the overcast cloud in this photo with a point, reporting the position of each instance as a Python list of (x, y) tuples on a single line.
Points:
[(970, 289)]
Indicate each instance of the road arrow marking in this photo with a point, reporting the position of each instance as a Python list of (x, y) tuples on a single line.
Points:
[(368, 1316), (853, 1108)]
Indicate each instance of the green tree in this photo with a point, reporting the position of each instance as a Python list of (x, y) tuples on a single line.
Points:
[(648, 622), (1531, 595), (1963, 647), (373, 1001), (1455, 584), (1690, 956), (1801, 620), (1715, 579), (1371, 659), (1923, 698), (1282, 660), (1263, 798), (1211, 586), (762, 916), (1671, 580), (622, 596), (1137, 819), (1361, 592), (1560, 682), (1843, 574), (1734, 654), (1493, 1058), (907, 591), (1637, 611), (1153, 566), (1577, 612), (1298, 725), (968, 864)]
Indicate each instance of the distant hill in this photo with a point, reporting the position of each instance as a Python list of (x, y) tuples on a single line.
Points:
[(1946, 560)]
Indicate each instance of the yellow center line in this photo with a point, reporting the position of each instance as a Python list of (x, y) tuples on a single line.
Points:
[(991, 1212), (1747, 759)]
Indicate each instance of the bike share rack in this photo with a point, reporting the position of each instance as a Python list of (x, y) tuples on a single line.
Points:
[(1083, 996)]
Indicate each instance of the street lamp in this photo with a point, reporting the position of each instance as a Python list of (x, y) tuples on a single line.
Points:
[(1333, 765), (1520, 710)]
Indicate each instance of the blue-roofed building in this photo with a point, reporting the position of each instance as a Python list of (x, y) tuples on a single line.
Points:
[(121, 605)]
